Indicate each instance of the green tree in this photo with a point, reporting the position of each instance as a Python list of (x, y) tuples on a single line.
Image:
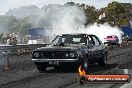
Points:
[(70, 3), (116, 13), (91, 14)]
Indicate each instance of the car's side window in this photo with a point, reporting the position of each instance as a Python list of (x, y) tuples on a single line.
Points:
[(90, 41), (96, 41)]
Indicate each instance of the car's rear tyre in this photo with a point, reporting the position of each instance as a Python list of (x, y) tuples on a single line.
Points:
[(41, 66), (103, 60)]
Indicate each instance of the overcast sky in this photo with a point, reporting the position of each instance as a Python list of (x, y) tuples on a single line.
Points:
[(5, 5)]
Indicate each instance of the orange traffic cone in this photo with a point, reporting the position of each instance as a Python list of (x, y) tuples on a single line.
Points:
[(7, 64)]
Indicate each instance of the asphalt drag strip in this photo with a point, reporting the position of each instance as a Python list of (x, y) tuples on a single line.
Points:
[(119, 58)]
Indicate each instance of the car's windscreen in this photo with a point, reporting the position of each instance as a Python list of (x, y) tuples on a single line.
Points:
[(70, 39)]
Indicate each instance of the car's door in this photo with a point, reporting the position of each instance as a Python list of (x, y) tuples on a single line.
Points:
[(98, 47), (91, 49)]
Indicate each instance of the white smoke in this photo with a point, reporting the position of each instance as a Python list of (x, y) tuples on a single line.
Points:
[(4, 27), (69, 20), (103, 30), (72, 19), (62, 19), (59, 19)]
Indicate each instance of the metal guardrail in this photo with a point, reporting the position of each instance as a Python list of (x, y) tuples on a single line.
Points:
[(20, 47), (7, 48)]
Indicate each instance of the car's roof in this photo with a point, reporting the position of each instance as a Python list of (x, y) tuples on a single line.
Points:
[(111, 35)]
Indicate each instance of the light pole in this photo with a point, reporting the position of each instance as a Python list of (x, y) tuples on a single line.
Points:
[(130, 16)]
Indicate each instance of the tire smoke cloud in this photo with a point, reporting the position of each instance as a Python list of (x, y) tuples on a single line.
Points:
[(61, 19), (72, 19), (103, 30)]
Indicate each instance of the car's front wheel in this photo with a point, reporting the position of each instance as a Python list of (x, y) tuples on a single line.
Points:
[(103, 60), (41, 66)]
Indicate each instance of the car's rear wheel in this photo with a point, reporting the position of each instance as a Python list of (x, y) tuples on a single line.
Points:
[(41, 66), (103, 60)]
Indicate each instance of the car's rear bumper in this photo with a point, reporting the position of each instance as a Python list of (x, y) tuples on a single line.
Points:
[(110, 42)]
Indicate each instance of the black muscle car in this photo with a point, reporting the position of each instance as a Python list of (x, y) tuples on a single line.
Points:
[(71, 49)]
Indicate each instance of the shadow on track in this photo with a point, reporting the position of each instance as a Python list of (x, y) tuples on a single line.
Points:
[(92, 69)]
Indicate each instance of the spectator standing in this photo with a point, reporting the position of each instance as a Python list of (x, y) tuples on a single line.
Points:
[(8, 41), (1, 37), (14, 41)]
